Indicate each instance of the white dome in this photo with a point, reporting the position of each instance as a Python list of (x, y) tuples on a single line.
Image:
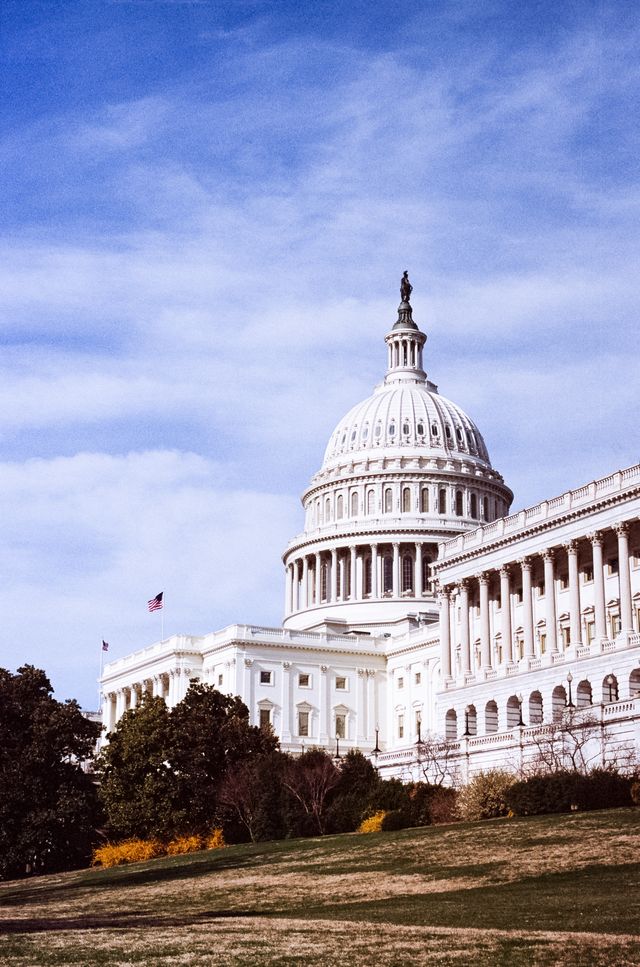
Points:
[(403, 418)]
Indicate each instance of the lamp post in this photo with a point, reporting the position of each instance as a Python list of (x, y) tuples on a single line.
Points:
[(610, 680), (377, 750), (338, 756), (569, 680), (466, 722), (520, 701)]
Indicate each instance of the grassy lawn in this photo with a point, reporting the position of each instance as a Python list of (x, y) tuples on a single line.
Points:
[(540, 891)]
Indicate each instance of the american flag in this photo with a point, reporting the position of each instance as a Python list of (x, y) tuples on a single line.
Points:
[(105, 645), (156, 603)]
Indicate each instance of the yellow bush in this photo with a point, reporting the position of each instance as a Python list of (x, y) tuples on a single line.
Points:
[(183, 844), (215, 840), (131, 851), (373, 824)]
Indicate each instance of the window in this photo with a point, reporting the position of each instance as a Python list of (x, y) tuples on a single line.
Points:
[(365, 432), (303, 723), (265, 718), (406, 500), (265, 678), (519, 595), (378, 430), (426, 564), (304, 680), (340, 507), (341, 726), (447, 430), (424, 501), (590, 628), (220, 679), (354, 434), (418, 721), (401, 683), (387, 575), (354, 504), (442, 501), (367, 576), (371, 502), (341, 683), (434, 429), (540, 589), (323, 581), (474, 506), (420, 429), (564, 582), (405, 428), (392, 429), (407, 572), (543, 644), (418, 678), (612, 565), (485, 508), (327, 509), (388, 500), (459, 503), (616, 625), (587, 575), (401, 726)]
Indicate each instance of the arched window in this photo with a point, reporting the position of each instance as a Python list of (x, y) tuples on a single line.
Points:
[(459, 509), (367, 576), (451, 724), (371, 506), (610, 689), (426, 574), (388, 575), (485, 508), (406, 500), (407, 572), (424, 500), (584, 694), (442, 501), (474, 506), (513, 712), (634, 683), (535, 709), (558, 702), (327, 509), (318, 511), (471, 720), (388, 500), (340, 507), (491, 717), (354, 504), (323, 581)]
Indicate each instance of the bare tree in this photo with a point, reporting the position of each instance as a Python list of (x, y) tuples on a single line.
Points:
[(437, 760), (241, 793), (577, 742), (310, 778)]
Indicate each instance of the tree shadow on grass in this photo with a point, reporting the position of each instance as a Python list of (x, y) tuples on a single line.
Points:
[(122, 919)]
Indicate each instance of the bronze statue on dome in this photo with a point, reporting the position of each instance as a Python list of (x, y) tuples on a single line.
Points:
[(405, 287)]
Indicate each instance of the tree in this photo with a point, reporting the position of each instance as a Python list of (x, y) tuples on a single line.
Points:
[(310, 778), (252, 799), (47, 803), (354, 793), (437, 760)]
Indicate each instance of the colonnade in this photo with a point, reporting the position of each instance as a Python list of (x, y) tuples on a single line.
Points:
[(168, 685), (511, 587), (359, 572)]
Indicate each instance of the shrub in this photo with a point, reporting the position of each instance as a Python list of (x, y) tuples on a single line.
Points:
[(374, 823), (635, 793), (215, 840), (184, 844), (395, 819), (562, 792), (485, 796), (131, 851), (443, 804)]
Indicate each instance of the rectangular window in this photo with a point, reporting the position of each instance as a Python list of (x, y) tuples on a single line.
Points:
[(540, 587), (591, 631), (219, 679), (341, 726), (341, 682), (265, 678), (564, 582), (265, 718), (303, 723), (616, 625), (543, 644), (612, 565), (418, 722), (587, 575), (304, 680), (401, 726), (401, 683), (566, 636), (521, 648), (519, 595), (418, 678)]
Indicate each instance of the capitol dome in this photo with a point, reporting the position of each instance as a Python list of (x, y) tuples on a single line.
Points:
[(404, 470)]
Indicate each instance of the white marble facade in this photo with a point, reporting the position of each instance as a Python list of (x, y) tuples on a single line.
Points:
[(416, 606)]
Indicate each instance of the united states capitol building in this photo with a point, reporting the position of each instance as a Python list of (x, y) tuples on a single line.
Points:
[(418, 609)]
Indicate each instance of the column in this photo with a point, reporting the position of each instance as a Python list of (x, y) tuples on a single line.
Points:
[(527, 607), (304, 603), (396, 571), (464, 628), (334, 576), (354, 586), (288, 591), (325, 714), (318, 578), (133, 691), (550, 600), (110, 717), (360, 702), (598, 587), (370, 703), (119, 704), (445, 634), (287, 710), (624, 578), (374, 570), (417, 577), (574, 593), (341, 570), (485, 641), (505, 614)]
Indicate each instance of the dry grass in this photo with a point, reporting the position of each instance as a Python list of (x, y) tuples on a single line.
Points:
[(538, 891)]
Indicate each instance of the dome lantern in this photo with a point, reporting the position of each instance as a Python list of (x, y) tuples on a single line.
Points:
[(405, 343)]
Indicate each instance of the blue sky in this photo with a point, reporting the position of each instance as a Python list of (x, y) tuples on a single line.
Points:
[(207, 207)]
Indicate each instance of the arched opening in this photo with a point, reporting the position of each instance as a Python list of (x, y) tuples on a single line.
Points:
[(474, 506), (634, 683), (513, 712), (424, 500), (610, 689), (323, 581), (491, 717), (536, 711), (354, 504), (327, 509), (584, 694), (367, 576), (442, 501), (371, 502), (407, 572), (558, 702), (458, 503), (451, 724), (340, 507), (387, 575), (426, 574), (485, 508), (406, 500), (388, 500), (471, 720)]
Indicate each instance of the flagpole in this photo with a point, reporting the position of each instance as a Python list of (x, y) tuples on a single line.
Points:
[(162, 618), (100, 679)]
